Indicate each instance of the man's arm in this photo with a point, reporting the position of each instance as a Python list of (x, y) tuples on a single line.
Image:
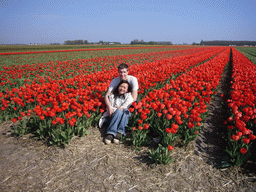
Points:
[(134, 95), (107, 102), (135, 87)]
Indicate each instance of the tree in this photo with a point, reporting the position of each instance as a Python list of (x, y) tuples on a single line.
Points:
[(194, 43), (75, 42)]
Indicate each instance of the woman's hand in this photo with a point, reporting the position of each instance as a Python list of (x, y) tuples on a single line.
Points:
[(120, 108), (110, 112)]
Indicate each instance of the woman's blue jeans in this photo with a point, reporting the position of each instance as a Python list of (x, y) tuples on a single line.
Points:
[(118, 122)]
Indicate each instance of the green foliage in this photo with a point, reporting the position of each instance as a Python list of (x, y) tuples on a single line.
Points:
[(140, 138), (161, 155), (235, 156), (55, 134), (21, 128)]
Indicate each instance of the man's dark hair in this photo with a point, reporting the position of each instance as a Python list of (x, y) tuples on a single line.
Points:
[(123, 66), (121, 82)]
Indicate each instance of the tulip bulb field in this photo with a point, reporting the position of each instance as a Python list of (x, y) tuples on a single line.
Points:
[(58, 94)]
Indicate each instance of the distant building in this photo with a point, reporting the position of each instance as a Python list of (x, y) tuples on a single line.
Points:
[(228, 43)]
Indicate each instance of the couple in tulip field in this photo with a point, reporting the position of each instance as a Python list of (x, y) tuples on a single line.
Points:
[(123, 90)]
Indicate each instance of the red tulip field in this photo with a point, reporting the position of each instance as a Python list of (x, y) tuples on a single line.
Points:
[(56, 95)]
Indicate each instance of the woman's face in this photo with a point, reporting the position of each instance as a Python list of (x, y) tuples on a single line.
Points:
[(123, 88)]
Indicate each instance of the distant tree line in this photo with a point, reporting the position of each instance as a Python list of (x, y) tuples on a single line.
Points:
[(83, 42), (136, 41), (107, 43), (75, 42), (228, 43)]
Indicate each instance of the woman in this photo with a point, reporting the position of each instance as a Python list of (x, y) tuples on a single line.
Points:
[(120, 101)]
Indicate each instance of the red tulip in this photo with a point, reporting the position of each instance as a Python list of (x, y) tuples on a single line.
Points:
[(252, 137), (246, 140), (170, 148), (235, 137), (146, 126), (243, 150)]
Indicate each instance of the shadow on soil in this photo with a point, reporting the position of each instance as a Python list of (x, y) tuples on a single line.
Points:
[(210, 144)]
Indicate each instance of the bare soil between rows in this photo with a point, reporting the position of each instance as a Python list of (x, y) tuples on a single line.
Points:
[(87, 164)]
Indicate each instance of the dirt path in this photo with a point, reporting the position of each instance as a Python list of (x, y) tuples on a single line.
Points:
[(87, 164)]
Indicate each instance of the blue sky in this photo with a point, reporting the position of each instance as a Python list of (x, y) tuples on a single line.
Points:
[(179, 21)]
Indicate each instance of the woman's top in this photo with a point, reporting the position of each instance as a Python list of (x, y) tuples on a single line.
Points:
[(123, 101)]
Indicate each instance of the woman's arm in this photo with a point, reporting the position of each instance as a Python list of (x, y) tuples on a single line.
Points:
[(110, 111)]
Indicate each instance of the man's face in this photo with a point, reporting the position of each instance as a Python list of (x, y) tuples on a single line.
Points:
[(123, 74)]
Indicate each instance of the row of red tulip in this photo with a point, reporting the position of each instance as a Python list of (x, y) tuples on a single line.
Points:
[(177, 110), (76, 50), (62, 102), (242, 121), (150, 74), (98, 82), (17, 75)]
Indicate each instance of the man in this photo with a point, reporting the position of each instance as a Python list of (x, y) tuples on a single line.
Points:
[(123, 75)]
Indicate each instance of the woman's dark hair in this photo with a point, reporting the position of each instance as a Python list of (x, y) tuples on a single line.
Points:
[(121, 82)]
